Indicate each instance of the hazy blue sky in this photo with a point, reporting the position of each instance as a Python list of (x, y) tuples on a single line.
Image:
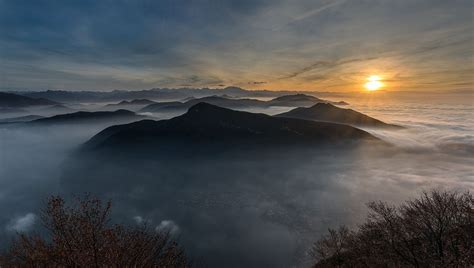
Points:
[(309, 44)]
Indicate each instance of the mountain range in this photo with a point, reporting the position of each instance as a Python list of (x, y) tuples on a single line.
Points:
[(295, 100), (153, 94), (330, 113), (215, 100), (209, 125), (87, 117), (299, 100), (131, 103), (10, 100), (56, 109), (19, 119)]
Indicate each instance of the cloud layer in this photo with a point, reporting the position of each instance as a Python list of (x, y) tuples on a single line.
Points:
[(320, 45), (252, 209)]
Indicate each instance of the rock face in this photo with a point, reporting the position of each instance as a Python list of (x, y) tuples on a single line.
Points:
[(15, 101), (206, 123), (329, 113)]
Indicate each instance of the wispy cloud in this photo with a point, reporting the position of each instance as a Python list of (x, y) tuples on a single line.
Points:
[(22, 224), (140, 44), (316, 11), (326, 65)]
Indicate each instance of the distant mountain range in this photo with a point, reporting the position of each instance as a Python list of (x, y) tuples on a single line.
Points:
[(18, 119), (209, 124), (57, 109), (152, 94), (295, 100), (215, 100), (10, 110), (310, 108), (330, 113), (10, 100), (299, 100), (131, 103), (165, 105), (87, 117)]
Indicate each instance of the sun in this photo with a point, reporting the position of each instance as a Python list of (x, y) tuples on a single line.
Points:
[(373, 83)]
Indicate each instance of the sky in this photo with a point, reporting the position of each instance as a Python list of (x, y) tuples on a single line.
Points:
[(330, 45)]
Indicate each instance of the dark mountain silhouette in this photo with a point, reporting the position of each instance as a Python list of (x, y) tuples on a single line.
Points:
[(233, 103), (9, 110), (214, 100), (87, 117), (26, 118), (209, 124), (138, 102), (104, 96), (226, 102), (155, 94), (161, 106), (339, 103), (152, 94), (132, 103), (218, 163), (227, 96), (300, 100), (330, 113), (57, 109), (296, 100), (14, 101), (188, 99)]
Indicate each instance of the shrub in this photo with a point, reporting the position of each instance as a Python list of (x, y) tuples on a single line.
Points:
[(435, 230), (82, 236)]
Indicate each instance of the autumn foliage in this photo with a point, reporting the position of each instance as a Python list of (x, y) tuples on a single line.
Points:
[(435, 230), (82, 236)]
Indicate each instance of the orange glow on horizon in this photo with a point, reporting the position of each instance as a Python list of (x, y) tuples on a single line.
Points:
[(373, 83)]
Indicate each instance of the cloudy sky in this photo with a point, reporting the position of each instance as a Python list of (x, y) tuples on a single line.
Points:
[(324, 45)]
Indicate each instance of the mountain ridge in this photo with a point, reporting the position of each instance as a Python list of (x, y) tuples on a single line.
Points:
[(206, 123), (329, 113), (154, 93), (294, 100), (10, 100), (85, 117)]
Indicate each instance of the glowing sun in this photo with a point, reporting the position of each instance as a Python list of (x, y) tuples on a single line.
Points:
[(373, 83)]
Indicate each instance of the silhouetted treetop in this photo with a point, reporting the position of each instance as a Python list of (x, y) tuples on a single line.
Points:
[(434, 230), (81, 236)]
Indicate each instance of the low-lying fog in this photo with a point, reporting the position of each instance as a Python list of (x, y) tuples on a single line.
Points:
[(244, 210)]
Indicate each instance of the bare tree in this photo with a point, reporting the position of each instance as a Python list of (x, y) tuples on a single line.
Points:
[(334, 247), (82, 236), (435, 230)]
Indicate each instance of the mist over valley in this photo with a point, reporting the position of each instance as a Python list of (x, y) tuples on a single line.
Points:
[(232, 183)]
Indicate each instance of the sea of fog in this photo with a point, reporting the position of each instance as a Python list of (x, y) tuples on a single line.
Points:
[(266, 218)]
